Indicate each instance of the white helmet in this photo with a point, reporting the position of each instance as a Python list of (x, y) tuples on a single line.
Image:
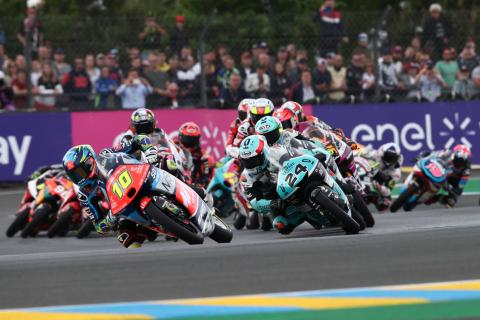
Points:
[(390, 155), (261, 108)]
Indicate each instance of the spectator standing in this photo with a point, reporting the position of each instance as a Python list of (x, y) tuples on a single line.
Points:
[(246, 63), (322, 79), (162, 64), (437, 31), (257, 84), (36, 72), (174, 63), (151, 35), (305, 92), (134, 91), (47, 88), (3, 57), (6, 95), (282, 56), (362, 47), (475, 84), (339, 84), (448, 69), (19, 87), (368, 82), (92, 71), (188, 77), (354, 78), (280, 85), (105, 88), (468, 57), (178, 36), (430, 83), (231, 96), (100, 60), (388, 76), (59, 65), (77, 84), (33, 25), (111, 62), (397, 59), (331, 28), (461, 86), (10, 74), (171, 97), (44, 54), (157, 79), (225, 72), (408, 84)]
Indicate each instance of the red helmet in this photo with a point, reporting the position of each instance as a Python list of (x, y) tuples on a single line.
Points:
[(287, 117), (189, 135), (295, 108), (243, 107), (461, 156)]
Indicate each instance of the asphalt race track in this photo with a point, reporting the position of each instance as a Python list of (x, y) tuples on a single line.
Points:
[(431, 244)]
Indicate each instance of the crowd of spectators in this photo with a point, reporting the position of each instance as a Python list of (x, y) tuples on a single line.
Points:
[(149, 73)]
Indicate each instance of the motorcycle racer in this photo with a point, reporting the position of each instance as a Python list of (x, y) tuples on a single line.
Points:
[(189, 136), (242, 114), (458, 164), (81, 167)]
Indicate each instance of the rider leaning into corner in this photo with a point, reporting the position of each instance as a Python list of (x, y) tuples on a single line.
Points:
[(242, 114), (83, 168), (458, 164), (389, 172)]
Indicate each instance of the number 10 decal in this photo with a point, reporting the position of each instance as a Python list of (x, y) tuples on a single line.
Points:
[(121, 184)]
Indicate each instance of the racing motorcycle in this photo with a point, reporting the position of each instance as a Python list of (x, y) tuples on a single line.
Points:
[(43, 214), (131, 195), (26, 204), (303, 182), (366, 170), (69, 215), (426, 180)]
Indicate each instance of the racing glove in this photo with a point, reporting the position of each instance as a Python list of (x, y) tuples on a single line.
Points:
[(151, 155), (106, 224), (232, 151)]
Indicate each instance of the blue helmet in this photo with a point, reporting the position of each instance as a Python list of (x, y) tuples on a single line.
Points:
[(254, 152), (269, 127), (80, 164)]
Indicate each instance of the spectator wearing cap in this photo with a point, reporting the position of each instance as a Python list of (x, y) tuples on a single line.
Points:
[(388, 76), (408, 85), (437, 31), (105, 87), (111, 61), (59, 65), (152, 34), (331, 28), (134, 91), (257, 84), (77, 84), (231, 96), (305, 92), (280, 85), (362, 47), (246, 64), (468, 57), (430, 83), (322, 79), (339, 83), (448, 69), (397, 59), (354, 78), (33, 25), (178, 36), (461, 86), (475, 84)]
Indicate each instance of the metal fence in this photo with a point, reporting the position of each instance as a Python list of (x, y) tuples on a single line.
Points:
[(237, 34)]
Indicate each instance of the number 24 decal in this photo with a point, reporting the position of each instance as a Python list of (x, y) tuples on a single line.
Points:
[(121, 184), (290, 179)]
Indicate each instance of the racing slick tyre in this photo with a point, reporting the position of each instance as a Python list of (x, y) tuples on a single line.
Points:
[(222, 232), (40, 216), (362, 208), (253, 222), (239, 220), (358, 218), (349, 225), (85, 230), (62, 225), (266, 223), (174, 224), (19, 223), (403, 198)]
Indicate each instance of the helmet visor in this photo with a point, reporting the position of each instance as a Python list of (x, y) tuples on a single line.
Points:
[(82, 171), (190, 141), (242, 115), (272, 136), (390, 157), (253, 162), (459, 163), (144, 127), (287, 124)]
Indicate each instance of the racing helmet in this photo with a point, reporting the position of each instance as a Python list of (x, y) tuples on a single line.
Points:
[(295, 107), (243, 108), (143, 121), (461, 156), (287, 118), (254, 152), (80, 165), (189, 135), (269, 127), (390, 155), (260, 108)]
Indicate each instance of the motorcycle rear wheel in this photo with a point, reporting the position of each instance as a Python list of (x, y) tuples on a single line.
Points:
[(363, 209), (19, 223), (239, 220), (61, 226), (39, 217), (403, 198), (85, 230), (358, 218), (222, 232), (188, 234)]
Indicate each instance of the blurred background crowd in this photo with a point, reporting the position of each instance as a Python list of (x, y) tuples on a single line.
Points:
[(327, 54)]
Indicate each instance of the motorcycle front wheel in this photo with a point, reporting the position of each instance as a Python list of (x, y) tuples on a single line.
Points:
[(85, 230), (40, 216), (222, 232), (403, 198), (19, 223), (61, 226)]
